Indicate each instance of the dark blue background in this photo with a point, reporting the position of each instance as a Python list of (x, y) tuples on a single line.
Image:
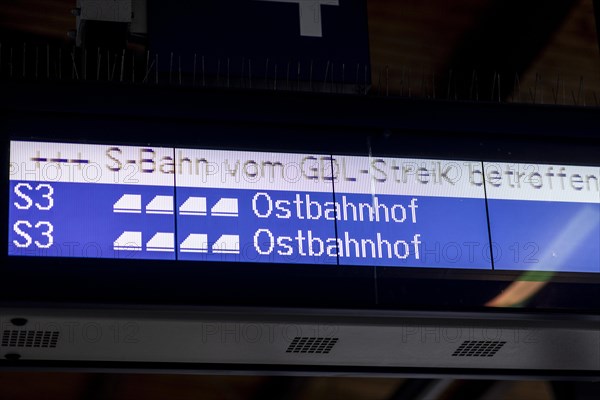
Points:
[(525, 230), (453, 232)]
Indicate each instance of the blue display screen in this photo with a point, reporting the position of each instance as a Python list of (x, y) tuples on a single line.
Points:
[(126, 202), (544, 217)]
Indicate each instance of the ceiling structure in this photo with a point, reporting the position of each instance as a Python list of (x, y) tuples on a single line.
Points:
[(486, 50), (533, 46), (534, 51)]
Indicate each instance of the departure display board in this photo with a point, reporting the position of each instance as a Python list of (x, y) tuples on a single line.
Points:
[(127, 202)]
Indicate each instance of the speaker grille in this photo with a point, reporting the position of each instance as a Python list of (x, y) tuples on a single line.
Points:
[(311, 345), (478, 348), (19, 338)]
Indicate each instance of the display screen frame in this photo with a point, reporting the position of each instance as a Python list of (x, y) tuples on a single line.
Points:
[(88, 281)]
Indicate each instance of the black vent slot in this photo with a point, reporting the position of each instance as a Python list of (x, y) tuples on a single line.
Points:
[(478, 348), (39, 339), (311, 345)]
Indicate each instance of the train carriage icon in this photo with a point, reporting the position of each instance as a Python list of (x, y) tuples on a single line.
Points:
[(193, 206), (128, 203), (225, 207), (197, 206), (160, 205)]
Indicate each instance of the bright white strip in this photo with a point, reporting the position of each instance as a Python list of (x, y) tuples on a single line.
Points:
[(221, 169), (82, 163), (199, 214), (124, 211), (321, 173), (128, 248), (541, 182), (193, 251), (90, 163), (405, 176)]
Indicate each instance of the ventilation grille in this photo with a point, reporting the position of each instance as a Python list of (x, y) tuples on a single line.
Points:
[(312, 345), (43, 339), (478, 348)]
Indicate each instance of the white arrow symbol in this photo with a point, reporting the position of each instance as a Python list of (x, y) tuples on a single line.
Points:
[(310, 15)]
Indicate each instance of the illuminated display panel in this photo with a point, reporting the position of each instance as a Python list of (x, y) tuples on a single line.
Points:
[(73, 200), (113, 201), (543, 217), (252, 207), (411, 212)]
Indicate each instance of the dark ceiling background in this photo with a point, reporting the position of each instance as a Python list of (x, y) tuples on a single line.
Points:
[(539, 51)]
